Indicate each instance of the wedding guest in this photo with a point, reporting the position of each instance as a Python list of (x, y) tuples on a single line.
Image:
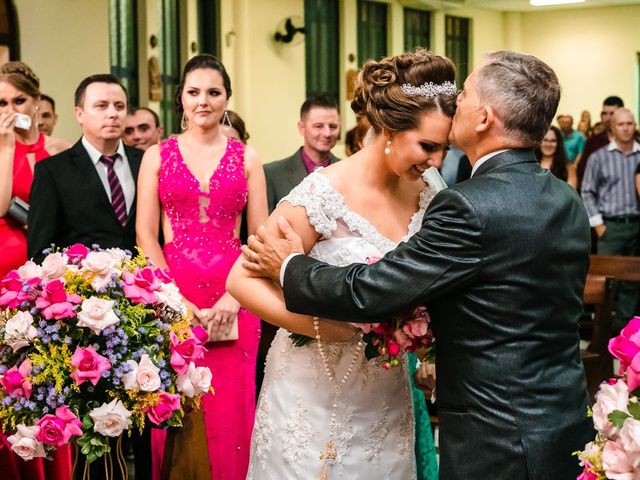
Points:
[(47, 117), (195, 186), (610, 198), (552, 156), (584, 125), (142, 128), (21, 147), (355, 138), (572, 140)]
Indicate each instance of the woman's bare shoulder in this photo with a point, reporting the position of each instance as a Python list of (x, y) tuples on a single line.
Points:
[(55, 145)]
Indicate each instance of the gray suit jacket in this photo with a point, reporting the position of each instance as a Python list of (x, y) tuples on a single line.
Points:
[(500, 262), (283, 175)]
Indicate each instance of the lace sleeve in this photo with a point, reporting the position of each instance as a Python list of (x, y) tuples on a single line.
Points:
[(320, 200)]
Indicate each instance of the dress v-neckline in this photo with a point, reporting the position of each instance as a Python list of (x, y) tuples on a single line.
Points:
[(362, 225), (192, 175)]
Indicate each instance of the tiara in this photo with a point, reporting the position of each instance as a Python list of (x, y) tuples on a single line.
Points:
[(430, 89)]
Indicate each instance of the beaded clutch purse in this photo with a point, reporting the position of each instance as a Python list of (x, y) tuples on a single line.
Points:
[(18, 210)]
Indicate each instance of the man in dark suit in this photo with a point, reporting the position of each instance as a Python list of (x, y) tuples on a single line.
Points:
[(319, 125), (504, 294), (87, 195), (75, 197)]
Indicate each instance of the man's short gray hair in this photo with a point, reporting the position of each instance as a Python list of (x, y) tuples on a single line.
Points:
[(523, 90)]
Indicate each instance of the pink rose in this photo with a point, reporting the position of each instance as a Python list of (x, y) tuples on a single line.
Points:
[(139, 287), (633, 373), (55, 303), (626, 345), (393, 348), (168, 403), (99, 268), (88, 365), (11, 290), (630, 440), (143, 376), (77, 251), (615, 460), (57, 429), (17, 379), (416, 328), (587, 474), (200, 334), (163, 275), (30, 270), (197, 380), (401, 339), (184, 352)]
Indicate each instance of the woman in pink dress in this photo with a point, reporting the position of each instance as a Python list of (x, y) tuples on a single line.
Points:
[(20, 149), (195, 186)]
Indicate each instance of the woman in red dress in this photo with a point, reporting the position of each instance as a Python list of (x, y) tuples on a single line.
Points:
[(21, 146)]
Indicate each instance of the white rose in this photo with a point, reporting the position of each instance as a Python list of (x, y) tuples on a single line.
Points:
[(100, 267), (630, 439), (97, 314), (170, 295), (53, 266), (19, 331), (30, 270), (143, 376), (117, 254), (111, 419), (609, 398), (197, 380), (24, 442)]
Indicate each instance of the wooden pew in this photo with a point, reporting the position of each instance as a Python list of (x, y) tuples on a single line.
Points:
[(615, 266)]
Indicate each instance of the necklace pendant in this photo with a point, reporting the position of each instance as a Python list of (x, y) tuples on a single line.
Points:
[(329, 454)]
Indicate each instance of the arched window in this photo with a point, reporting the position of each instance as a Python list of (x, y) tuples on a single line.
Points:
[(9, 46)]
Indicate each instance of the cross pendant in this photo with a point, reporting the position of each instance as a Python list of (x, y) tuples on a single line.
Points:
[(329, 454)]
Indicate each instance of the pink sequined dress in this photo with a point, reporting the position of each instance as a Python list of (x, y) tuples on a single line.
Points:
[(200, 256)]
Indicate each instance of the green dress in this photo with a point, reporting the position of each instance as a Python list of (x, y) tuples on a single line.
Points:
[(426, 461)]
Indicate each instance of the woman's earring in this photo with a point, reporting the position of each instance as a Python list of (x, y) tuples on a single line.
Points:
[(387, 149), (184, 123), (226, 122)]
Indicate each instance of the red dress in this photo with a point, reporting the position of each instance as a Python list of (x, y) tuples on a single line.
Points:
[(13, 245)]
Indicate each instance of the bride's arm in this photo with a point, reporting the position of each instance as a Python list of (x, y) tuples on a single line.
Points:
[(263, 298)]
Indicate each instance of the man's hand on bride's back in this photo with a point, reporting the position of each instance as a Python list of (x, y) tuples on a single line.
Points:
[(264, 253)]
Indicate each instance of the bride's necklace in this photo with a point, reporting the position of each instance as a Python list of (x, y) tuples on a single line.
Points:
[(330, 454)]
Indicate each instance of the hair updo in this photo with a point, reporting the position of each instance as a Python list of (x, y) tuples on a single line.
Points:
[(21, 77), (378, 96)]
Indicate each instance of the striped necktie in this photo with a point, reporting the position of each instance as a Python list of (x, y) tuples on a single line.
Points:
[(117, 195)]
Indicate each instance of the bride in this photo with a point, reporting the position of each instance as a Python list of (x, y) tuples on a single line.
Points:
[(324, 410)]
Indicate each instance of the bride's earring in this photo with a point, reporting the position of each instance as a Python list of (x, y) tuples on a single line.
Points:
[(387, 149), (226, 122), (184, 123)]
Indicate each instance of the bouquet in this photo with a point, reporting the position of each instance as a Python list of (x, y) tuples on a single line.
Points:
[(93, 343), (406, 332), (615, 452)]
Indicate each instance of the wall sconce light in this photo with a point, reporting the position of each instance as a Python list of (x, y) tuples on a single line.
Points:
[(291, 26)]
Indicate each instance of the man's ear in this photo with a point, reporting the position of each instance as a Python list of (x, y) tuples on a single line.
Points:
[(301, 127), (486, 120), (78, 113)]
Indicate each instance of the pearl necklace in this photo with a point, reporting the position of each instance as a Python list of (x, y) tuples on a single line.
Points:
[(330, 454)]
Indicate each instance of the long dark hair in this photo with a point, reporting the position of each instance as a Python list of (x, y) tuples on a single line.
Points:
[(559, 160)]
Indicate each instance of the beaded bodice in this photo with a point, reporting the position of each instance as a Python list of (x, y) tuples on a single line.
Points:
[(200, 217), (203, 222)]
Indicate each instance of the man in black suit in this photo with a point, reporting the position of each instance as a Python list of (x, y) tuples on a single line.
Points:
[(500, 262), (319, 126), (72, 197), (87, 195)]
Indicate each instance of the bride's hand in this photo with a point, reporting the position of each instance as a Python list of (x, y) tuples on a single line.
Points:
[(425, 378), (220, 318)]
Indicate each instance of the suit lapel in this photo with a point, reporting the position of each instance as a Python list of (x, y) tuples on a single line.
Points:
[(295, 169), (85, 166)]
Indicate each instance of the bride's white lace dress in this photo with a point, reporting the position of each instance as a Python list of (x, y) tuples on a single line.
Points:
[(374, 437)]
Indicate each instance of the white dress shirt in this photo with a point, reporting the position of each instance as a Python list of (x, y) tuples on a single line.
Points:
[(121, 167), (486, 157)]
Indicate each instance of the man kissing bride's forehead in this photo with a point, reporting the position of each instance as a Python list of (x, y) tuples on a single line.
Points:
[(510, 384)]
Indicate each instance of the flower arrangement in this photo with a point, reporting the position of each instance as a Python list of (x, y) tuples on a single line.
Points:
[(93, 343), (615, 452)]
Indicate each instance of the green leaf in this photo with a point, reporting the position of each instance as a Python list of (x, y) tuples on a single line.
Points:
[(634, 410), (618, 417), (87, 423)]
